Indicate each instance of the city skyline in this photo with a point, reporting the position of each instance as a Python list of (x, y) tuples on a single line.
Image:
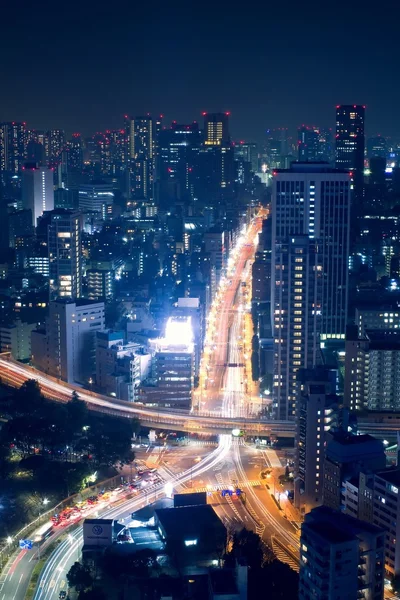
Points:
[(263, 67)]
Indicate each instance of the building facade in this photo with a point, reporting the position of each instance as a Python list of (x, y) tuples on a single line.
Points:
[(66, 348), (296, 317), (313, 199), (65, 254)]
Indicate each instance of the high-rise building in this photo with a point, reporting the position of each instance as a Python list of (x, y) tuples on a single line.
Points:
[(65, 254), (296, 317), (372, 367), (37, 190), (141, 148), (350, 140), (314, 200), (75, 154), (216, 129), (308, 144), (316, 413), (340, 557), (56, 145), (178, 149), (66, 349), (377, 147), (249, 152), (12, 147)]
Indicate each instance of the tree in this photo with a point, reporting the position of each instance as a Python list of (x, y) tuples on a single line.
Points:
[(28, 398), (247, 545), (77, 412), (79, 577), (110, 439), (94, 594)]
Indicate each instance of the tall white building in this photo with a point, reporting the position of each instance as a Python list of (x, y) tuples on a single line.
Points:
[(314, 199), (37, 190), (66, 349), (296, 317)]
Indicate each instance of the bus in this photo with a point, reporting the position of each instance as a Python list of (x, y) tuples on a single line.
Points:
[(43, 532)]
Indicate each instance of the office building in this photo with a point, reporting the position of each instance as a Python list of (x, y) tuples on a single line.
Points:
[(120, 367), (19, 225), (384, 318), (377, 147), (247, 151), (340, 557), (172, 378), (37, 190), (16, 338), (178, 148), (296, 317), (216, 129), (55, 145), (12, 147), (65, 254), (372, 367), (317, 411), (346, 456), (314, 200), (308, 144), (66, 348), (214, 243), (96, 197), (350, 140)]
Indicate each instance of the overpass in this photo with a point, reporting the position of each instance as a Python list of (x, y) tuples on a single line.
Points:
[(14, 374)]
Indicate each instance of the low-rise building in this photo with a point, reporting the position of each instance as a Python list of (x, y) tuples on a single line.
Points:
[(16, 338)]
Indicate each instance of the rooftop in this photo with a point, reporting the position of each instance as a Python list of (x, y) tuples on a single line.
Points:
[(189, 521)]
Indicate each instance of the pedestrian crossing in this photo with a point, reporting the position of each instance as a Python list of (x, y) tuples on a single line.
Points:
[(282, 555), (225, 486)]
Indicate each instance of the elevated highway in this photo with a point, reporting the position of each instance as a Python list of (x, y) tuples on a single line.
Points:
[(15, 374)]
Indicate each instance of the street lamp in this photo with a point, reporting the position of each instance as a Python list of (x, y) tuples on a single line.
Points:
[(9, 539)]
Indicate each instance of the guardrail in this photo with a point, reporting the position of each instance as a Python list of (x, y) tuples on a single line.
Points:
[(12, 542)]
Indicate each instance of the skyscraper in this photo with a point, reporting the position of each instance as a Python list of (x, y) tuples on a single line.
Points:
[(141, 147), (296, 317), (308, 142), (314, 200), (65, 254), (216, 128), (350, 140), (12, 147), (178, 149), (37, 190)]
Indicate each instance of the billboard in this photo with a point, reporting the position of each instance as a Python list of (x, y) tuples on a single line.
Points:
[(98, 532)]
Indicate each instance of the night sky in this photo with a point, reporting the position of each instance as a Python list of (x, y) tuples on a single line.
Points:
[(81, 65)]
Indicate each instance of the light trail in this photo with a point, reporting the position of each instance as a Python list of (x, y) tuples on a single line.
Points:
[(54, 569)]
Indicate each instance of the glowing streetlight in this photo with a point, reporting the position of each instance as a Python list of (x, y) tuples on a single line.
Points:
[(45, 501)]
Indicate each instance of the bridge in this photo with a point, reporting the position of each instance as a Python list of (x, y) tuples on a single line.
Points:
[(14, 374)]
